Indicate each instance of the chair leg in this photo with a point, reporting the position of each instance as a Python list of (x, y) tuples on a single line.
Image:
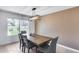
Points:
[(24, 49), (28, 50), (20, 46), (36, 49)]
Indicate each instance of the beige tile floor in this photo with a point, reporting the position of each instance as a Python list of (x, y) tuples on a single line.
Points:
[(14, 48)]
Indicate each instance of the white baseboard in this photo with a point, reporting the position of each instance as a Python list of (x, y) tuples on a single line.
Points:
[(68, 48)]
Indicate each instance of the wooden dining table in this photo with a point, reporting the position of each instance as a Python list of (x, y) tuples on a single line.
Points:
[(38, 40)]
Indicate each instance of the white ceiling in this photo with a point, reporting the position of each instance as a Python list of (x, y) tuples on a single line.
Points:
[(41, 10)]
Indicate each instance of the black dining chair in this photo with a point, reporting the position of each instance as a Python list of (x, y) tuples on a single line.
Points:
[(27, 44), (20, 38), (49, 48), (33, 34)]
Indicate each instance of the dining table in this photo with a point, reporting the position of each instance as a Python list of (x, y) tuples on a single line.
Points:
[(38, 40)]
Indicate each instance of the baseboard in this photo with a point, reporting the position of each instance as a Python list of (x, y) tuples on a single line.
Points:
[(75, 50)]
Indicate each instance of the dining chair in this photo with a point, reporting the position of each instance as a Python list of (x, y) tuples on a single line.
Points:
[(46, 48), (33, 34), (27, 44), (20, 40)]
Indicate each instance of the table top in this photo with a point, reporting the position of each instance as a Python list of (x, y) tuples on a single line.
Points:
[(38, 39)]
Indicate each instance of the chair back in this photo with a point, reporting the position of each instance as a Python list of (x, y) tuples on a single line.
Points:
[(24, 40), (23, 32), (33, 34), (21, 36), (52, 46)]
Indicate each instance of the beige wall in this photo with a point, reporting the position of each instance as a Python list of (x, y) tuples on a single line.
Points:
[(64, 24)]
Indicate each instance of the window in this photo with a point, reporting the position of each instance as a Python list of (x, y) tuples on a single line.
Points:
[(24, 25), (13, 26), (17, 25)]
